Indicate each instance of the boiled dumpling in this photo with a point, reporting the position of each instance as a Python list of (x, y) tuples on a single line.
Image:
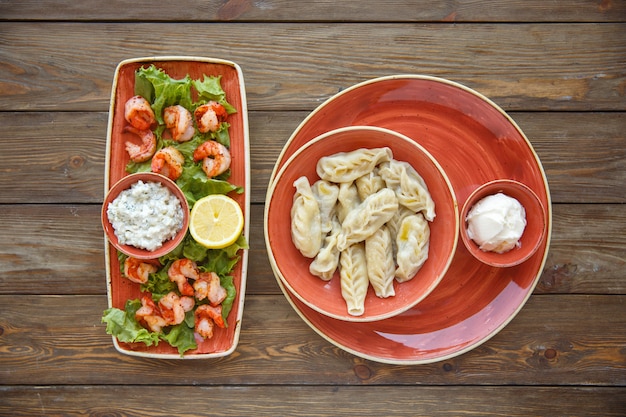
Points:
[(367, 217), (347, 199), (369, 184), (306, 227), (327, 260), (353, 278), (394, 223), (381, 266), (412, 241), (348, 166), (409, 187), (326, 194)]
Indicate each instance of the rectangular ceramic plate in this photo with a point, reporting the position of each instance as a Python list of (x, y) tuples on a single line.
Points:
[(120, 289)]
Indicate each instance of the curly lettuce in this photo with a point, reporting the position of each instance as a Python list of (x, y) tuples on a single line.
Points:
[(161, 90), (123, 325), (210, 89)]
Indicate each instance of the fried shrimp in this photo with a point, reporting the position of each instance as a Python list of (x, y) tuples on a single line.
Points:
[(210, 116), (168, 162), (215, 157), (180, 123), (180, 271), (138, 270), (206, 317), (173, 307), (143, 152), (149, 315), (207, 286), (138, 112)]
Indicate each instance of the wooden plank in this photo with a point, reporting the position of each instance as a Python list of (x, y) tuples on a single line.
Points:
[(580, 160), (68, 165), (583, 154), (572, 264), (296, 401), (59, 249), (555, 340), (346, 11), (295, 66)]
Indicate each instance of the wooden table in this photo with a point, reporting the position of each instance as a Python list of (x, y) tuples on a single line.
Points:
[(558, 68)]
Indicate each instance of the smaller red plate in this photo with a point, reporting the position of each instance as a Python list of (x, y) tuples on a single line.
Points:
[(124, 184), (534, 232), (293, 268)]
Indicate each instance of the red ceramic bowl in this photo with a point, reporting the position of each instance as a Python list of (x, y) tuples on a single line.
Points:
[(534, 232), (292, 269), (126, 183)]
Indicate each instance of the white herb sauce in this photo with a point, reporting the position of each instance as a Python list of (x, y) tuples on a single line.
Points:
[(145, 215)]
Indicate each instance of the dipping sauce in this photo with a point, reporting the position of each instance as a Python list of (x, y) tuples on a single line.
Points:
[(496, 223), (145, 215)]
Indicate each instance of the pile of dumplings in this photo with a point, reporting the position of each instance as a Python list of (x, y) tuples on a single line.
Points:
[(368, 216)]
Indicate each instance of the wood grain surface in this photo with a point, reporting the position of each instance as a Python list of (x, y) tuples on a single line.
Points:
[(558, 69)]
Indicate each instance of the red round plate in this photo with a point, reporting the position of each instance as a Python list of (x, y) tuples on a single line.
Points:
[(325, 296), (475, 142)]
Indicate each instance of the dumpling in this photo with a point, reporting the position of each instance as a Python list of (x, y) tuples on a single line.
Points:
[(353, 278), (409, 186), (381, 266), (326, 195), (390, 173), (348, 166), (306, 227), (394, 223), (347, 199), (413, 241), (367, 217), (414, 193), (369, 184), (325, 263)]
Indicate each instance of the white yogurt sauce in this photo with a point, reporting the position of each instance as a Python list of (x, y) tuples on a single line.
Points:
[(496, 223), (145, 215)]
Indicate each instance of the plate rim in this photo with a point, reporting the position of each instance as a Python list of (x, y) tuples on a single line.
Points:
[(247, 197), (416, 361)]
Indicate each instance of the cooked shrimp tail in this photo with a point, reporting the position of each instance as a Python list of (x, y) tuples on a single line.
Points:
[(143, 152), (208, 286), (138, 112), (180, 123), (203, 324), (180, 271), (168, 162), (206, 317), (210, 116), (215, 157), (138, 271), (173, 307), (149, 315)]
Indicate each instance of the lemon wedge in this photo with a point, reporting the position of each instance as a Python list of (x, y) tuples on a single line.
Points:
[(216, 221)]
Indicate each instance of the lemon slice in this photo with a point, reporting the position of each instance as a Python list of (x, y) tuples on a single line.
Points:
[(216, 221)]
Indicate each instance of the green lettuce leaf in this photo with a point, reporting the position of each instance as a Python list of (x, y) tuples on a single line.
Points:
[(122, 325), (222, 135), (231, 291), (195, 184), (159, 283), (181, 336), (195, 251), (210, 89), (166, 91)]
